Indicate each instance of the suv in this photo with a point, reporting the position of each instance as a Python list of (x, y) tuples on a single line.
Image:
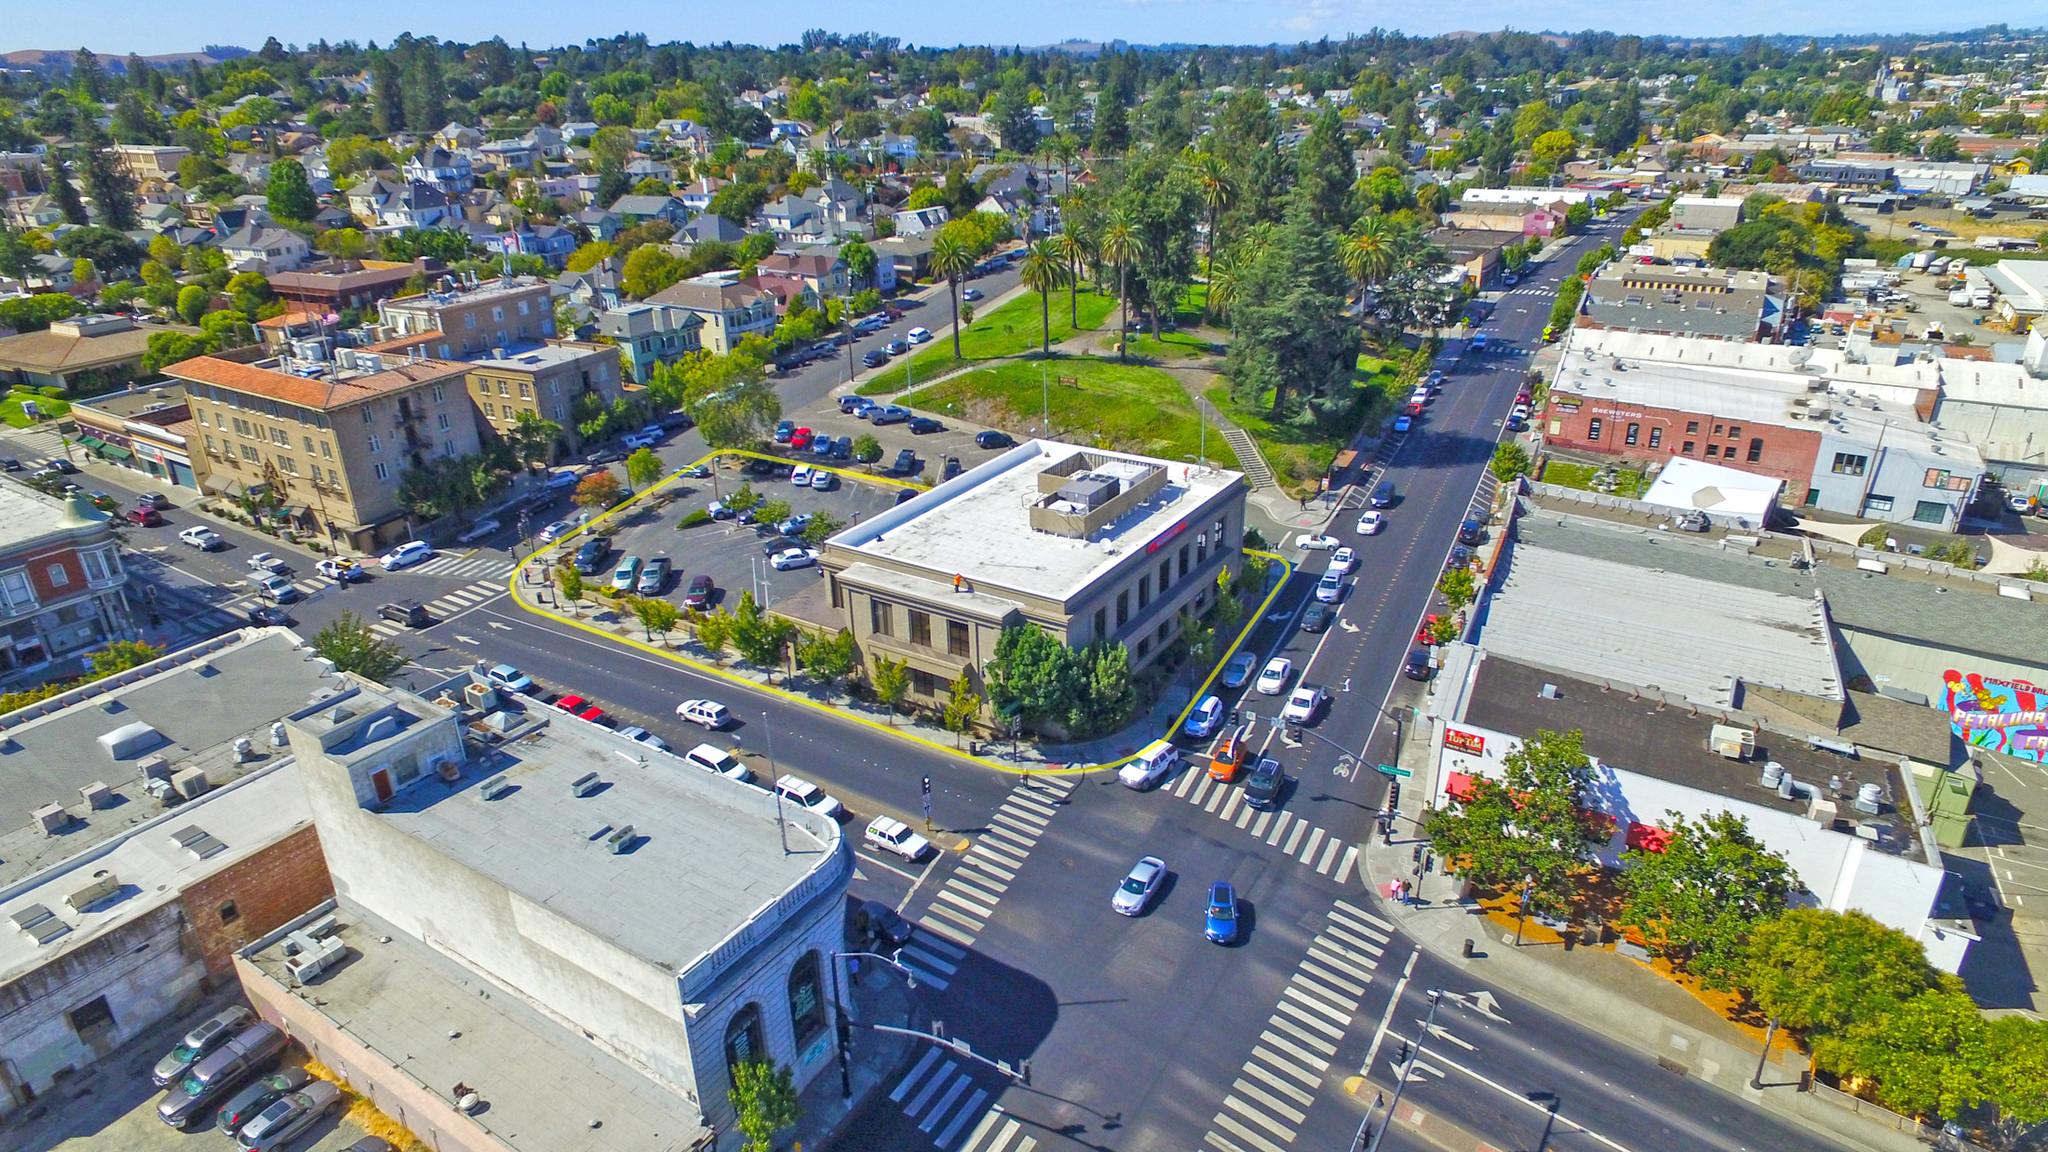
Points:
[(1262, 787), (654, 577), (410, 613), (1472, 532), (1383, 494), (204, 1037), (254, 1049), (274, 588), (894, 836), (700, 593), (627, 572), (890, 414), (906, 462), (592, 555)]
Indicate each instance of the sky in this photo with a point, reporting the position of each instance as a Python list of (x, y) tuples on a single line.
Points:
[(117, 27)]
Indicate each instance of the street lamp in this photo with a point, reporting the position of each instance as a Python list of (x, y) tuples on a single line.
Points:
[(1401, 1081), (781, 829), (1528, 882), (846, 1026)]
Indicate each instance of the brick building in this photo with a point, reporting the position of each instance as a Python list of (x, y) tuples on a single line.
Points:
[(63, 590)]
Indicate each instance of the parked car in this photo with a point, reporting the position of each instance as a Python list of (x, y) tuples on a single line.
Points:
[(842, 448), (624, 576), (579, 707), (250, 1050), (410, 613), (804, 794), (700, 594), (590, 557), (892, 835), (712, 758), (1316, 618), (918, 336), (906, 462), (921, 425), (949, 469), (203, 538), (970, 294), (822, 479), (266, 616), (800, 475), (709, 713), (881, 922), (244, 1105), (855, 406), (888, 414), (800, 439), (795, 525), (821, 445), (509, 678), (1416, 667), (405, 555), (653, 576), (1472, 532), (1239, 669), (478, 531), (274, 588), (1138, 886), (993, 439), (1273, 678), (875, 358), (1403, 422), (1219, 919), (1330, 588), (896, 347), (639, 735), (793, 558), (290, 1115), (202, 1039), (787, 428)]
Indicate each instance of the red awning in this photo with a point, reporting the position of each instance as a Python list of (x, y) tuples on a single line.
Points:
[(1459, 786), (1647, 837)]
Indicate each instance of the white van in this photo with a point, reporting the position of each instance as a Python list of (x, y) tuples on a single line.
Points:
[(1152, 764)]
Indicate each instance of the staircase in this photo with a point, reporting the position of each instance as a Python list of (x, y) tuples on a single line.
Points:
[(1256, 474)]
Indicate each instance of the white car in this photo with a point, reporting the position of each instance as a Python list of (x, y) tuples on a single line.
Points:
[(918, 336), (709, 713), (1371, 523), (203, 538), (339, 569), (1317, 543), (408, 553), (1138, 887), (478, 531), (893, 835), (2019, 502), (1344, 560), (1239, 669), (805, 794), (1302, 705), (1330, 588), (647, 437), (801, 476), (562, 478), (640, 735), (1273, 679), (509, 678), (794, 558), (1520, 412), (712, 758), (1202, 722)]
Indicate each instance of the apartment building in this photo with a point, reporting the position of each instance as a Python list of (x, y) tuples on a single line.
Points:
[(1677, 300), (331, 438), (651, 334), (150, 161), (61, 584), (731, 312), (546, 381), (474, 317)]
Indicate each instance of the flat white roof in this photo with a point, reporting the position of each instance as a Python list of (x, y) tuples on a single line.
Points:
[(1711, 488), (978, 524)]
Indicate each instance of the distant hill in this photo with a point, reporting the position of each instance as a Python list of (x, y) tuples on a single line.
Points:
[(57, 59)]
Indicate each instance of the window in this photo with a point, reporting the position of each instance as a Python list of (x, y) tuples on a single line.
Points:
[(101, 564), (1735, 431), (1713, 450), (1593, 428), (383, 473), (57, 575), (1162, 629), (1656, 437), (15, 591), (920, 628), (377, 444), (1877, 503), (443, 422), (1812, 497), (1144, 591), (326, 453), (229, 913), (440, 394), (806, 992), (497, 312), (1165, 574), (554, 387), (469, 320), (93, 1018), (1688, 448), (1717, 429), (1634, 430), (1183, 560), (490, 412), (333, 481), (1201, 549), (1756, 449), (1219, 534), (879, 619), (209, 444), (483, 387), (287, 464), (525, 390), (504, 388), (448, 447), (1123, 607), (249, 454), (1144, 646), (1692, 427), (1101, 623), (309, 444), (956, 637), (242, 427), (1848, 464), (280, 437), (369, 413), (1930, 511), (923, 683), (744, 1043), (200, 416)]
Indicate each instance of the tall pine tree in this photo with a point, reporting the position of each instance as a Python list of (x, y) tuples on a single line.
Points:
[(58, 182), (1325, 172), (386, 97), (113, 190), (1112, 127), (426, 93)]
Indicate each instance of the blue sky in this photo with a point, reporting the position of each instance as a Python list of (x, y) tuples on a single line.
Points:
[(119, 26)]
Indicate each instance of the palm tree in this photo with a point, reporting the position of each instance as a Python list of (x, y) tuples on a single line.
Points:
[(952, 259), (1122, 243), (1044, 270), (1225, 282), (1367, 254), (1216, 186), (1074, 249)]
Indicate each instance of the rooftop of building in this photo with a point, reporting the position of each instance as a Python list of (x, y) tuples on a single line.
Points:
[(538, 358), (27, 516), (1669, 743), (150, 862), (482, 292), (198, 700), (1726, 634), (706, 857), (136, 401), (980, 524), (1615, 272), (87, 343), (1638, 313), (549, 1088), (322, 384)]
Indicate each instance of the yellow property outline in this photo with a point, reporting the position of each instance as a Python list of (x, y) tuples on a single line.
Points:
[(709, 459)]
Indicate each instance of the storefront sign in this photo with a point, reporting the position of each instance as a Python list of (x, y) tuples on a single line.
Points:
[(2009, 716), (1565, 401), (1465, 741)]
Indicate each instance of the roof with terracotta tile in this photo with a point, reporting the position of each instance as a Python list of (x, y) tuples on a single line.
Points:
[(256, 380)]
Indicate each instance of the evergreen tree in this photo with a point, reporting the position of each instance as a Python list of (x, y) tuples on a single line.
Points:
[(64, 192), (385, 97), (88, 76), (1618, 126), (1325, 172), (113, 190), (426, 94), (1293, 338), (1112, 128), (290, 194)]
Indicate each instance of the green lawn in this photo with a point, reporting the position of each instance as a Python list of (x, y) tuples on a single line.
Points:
[(10, 408), (1123, 406), (1299, 456), (1167, 346), (1629, 484), (1010, 330)]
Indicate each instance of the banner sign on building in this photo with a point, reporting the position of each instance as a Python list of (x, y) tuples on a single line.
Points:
[(2008, 716), (1465, 741)]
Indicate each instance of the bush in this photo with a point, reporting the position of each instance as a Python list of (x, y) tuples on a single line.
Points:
[(1874, 538), (695, 518)]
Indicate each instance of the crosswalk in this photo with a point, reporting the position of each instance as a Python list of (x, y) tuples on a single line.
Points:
[(964, 904), (944, 1098), (1305, 843), (1271, 1097), (461, 564), (999, 1132), (460, 600)]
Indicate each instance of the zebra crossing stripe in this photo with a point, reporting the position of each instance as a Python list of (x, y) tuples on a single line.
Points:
[(974, 861), (953, 1093), (1346, 924), (1294, 838), (931, 1057), (1275, 1083), (1365, 916), (1262, 1096), (988, 1121), (931, 1087), (1291, 1014), (929, 959), (1287, 1066), (1220, 1143), (1360, 969), (960, 1120), (949, 930), (1244, 1133), (1264, 1121), (1344, 865), (1187, 781), (1328, 977), (1245, 814), (1279, 826), (1236, 795), (1216, 797), (961, 918), (1301, 1035), (1315, 838), (1329, 856), (1259, 825), (952, 897), (993, 888)]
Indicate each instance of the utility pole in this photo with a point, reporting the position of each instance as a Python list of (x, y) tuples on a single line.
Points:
[(781, 829), (1528, 882), (1414, 1054)]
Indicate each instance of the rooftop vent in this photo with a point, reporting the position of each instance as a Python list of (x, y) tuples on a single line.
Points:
[(198, 841), (494, 788), (39, 922), (585, 785), (1090, 490), (382, 728)]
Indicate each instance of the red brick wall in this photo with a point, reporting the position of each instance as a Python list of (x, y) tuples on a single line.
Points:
[(269, 889), (1788, 453), (39, 563)]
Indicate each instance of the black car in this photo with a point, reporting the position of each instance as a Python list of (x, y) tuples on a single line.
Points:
[(906, 496), (1262, 787), (1460, 557), (1472, 532), (9, 464), (920, 425), (875, 359), (774, 544), (842, 448), (1316, 618), (881, 921), (64, 466), (1383, 494), (993, 439), (950, 469), (1417, 665), (906, 463), (265, 616), (591, 557)]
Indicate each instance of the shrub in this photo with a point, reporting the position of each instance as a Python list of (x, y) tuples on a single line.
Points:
[(695, 518)]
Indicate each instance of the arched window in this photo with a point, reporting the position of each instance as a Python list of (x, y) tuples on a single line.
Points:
[(806, 1001), (744, 1043)]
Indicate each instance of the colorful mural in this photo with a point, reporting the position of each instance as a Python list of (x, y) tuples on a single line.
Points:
[(2009, 716)]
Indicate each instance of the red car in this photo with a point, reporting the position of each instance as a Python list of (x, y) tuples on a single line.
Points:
[(147, 517), (578, 706), (800, 439), (1415, 407)]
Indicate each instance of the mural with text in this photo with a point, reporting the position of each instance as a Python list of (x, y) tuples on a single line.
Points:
[(2009, 716)]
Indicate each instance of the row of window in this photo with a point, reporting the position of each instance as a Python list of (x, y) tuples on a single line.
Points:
[(1594, 430), (882, 622), (746, 1040), (244, 428), (17, 592)]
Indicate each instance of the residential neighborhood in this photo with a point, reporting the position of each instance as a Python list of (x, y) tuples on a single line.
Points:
[(1418, 589)]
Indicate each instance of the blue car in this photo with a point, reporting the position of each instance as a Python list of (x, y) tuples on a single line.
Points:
[(1219, 922)]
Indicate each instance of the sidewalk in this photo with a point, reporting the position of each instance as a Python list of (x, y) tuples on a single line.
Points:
[(1597, 986), (874, 995)]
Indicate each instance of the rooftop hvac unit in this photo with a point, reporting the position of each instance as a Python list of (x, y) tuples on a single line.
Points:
[(1731, 742), (315, 957), (495, 787), (1090, 490), (586, 784), (621, 839), (481, 697)]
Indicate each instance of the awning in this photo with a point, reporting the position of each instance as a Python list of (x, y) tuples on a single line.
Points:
[(113, 453), (1459, 786), (1647, 837), (295, 511), (92, 442)]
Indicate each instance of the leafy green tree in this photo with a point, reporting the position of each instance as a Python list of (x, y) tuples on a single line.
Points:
[(643, 469), (2016, 1062), (1509, 461), (113, 190), (120, 656), (1112, 127), (1325, 172), (891, 681), (1553, 149), (192, 302), (771, 511), (64, 192), (1294, 341), (531, 438), (655, 615), (1121, 242), (866, 448), (962, 706), (289, 193), (1458, 586), (739, 417), (765, 1099), (1529, 825), (714, 631), (758, 637), (571, 582), (112, 252), (829, 658), (353, 647), (1819, 971), (861, 261), (1696, 899), (169, 348), (822, 527), (1925, 1056)]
